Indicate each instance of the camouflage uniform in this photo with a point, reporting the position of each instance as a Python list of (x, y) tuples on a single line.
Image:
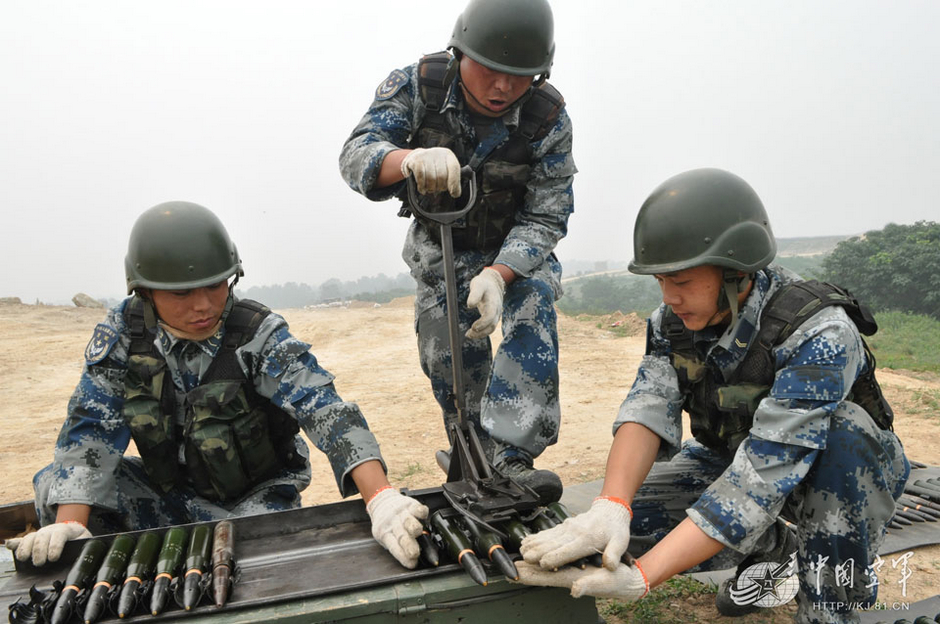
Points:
[(89, 467), (514, 394), (810, 454)]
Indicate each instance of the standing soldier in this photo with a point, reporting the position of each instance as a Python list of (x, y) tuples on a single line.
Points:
[(788, 420), (484, 103), (213, 390)]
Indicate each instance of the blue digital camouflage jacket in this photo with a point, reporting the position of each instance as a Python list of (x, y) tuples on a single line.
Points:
[(816, 368), (394, 114), (95, 435)]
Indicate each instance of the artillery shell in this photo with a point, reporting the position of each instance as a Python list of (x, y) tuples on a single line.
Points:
[(168, 567), (223, 560), (139, 571), (80, 574), (197, 562), (489, 545), (459, 547), (516, 532), (115, 562), (429, 552)]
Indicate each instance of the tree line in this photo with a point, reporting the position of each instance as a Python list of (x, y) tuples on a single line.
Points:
[(893, 269), (379, 288), (896, 268)]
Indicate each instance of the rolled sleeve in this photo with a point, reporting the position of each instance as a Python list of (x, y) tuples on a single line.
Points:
[(549, 201)]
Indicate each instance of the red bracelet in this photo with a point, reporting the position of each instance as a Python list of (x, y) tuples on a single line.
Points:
[(619, 501), (79, 522), (379, 491)]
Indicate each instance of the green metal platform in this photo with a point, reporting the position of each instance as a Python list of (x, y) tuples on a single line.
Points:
[(320, 564)]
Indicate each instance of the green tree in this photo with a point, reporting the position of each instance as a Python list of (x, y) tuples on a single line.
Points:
[(604, 294), (897, 268)]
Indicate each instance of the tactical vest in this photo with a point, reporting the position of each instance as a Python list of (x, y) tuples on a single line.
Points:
[(721, 413), (232, 438), (501, 176)]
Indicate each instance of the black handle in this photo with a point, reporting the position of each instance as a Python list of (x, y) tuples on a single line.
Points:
[(444, 218)]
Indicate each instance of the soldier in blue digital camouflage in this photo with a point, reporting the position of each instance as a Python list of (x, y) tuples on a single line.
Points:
[(789, 424), (213, 391), (484, 103)]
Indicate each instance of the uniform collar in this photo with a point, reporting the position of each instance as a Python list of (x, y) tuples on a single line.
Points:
[(210, 346)]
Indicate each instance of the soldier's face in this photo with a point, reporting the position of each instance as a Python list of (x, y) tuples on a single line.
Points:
[(488, 92), (194, 310), (693, 295)]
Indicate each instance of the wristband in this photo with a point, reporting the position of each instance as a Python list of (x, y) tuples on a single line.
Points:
[(380, 490), (619, 501)]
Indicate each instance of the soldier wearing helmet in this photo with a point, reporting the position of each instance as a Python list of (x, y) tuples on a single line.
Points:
[(484, 103), (790, 429), (213, 391)]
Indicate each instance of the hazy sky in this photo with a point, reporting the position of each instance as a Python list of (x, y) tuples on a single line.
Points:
[(831, 110)]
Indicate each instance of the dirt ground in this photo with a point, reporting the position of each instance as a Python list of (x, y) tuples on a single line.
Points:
[(372, 352)]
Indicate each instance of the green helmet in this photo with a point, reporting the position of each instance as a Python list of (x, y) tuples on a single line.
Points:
[(510, 36), (179, 245), (702, 217)]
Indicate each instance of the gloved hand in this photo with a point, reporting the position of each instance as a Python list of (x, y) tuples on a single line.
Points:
[(486, 295), (47, 543), (436, 169), (627, 583), (396, 522), (605, 527)]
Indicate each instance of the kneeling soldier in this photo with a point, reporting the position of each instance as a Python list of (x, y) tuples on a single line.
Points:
[(789, 424), (213, 390)]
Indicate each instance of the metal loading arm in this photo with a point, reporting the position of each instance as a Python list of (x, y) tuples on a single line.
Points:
[(474, 488)]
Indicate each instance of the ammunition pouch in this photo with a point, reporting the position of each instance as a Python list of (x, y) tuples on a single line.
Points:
[(151, 423)]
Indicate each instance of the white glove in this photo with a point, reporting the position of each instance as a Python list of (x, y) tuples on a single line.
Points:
[(486, 295), (436, 169), (396, 522), (605, 527), (47, 543), (626, 583)]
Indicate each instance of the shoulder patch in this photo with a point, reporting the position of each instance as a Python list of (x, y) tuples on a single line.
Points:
[(392, 85), (100, 344)]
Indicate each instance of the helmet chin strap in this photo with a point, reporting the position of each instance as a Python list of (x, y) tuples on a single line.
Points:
[(732, 285), (150, 313), (230, 301)]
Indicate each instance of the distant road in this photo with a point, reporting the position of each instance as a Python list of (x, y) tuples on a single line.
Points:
[(565, 280)]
